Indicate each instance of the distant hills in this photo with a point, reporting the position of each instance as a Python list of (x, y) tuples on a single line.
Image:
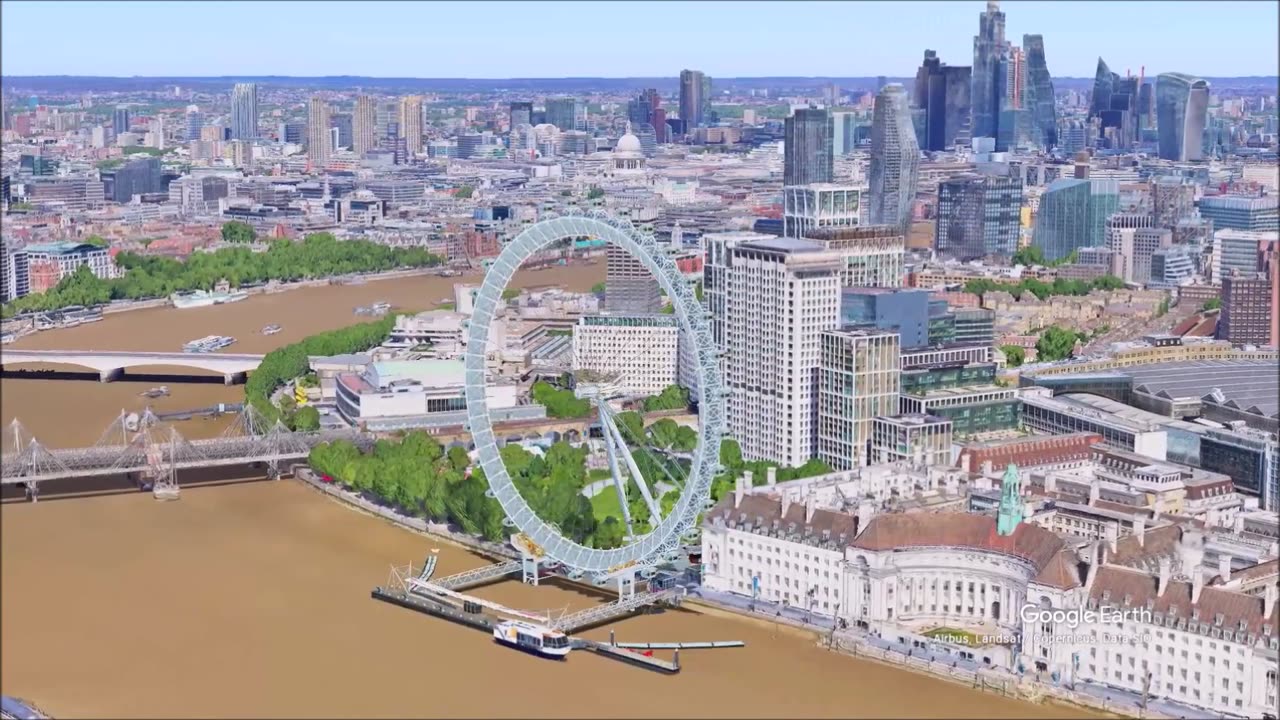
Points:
[(64, 83)]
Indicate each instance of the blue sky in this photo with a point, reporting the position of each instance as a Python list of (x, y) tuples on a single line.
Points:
[(617, 39)]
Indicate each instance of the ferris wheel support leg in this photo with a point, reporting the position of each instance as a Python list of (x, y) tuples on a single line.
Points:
[(617, 478), (33, 491), (626, 585), (528, 569), (611, 428)]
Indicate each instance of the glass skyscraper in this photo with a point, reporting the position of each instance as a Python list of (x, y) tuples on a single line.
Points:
[(1182, 110), (1038, 92), (895, 158), (978, 215), (695, 99), (807, 147), (244, 111), (988, 71), (942, 94), (1073, 214), (567, 114)]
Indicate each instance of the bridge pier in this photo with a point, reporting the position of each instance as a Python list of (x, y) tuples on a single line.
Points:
[(110, 374), (33, 491)]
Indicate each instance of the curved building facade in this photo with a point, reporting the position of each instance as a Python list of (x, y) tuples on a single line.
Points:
[(895, 158), (1182, 110)]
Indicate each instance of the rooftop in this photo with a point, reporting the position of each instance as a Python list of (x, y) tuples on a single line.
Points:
[(1247, 384)]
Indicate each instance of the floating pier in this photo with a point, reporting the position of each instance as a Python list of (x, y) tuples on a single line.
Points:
[(715, 645)]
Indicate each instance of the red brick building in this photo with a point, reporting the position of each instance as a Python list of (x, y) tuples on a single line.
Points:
[(1030, 451)]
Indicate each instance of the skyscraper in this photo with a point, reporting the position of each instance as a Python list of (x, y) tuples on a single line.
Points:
[(1038, 93), (244, 111), (195, 122), (1182, 110), (363, 125), (1073, 214), (120, 120), (567, 113), (978, 215), (318, 136), (989, 50), (807, 147), (779, 295), (895, 158), (629, 287), (694, 100), (342, 122), (942, 94), (411, 123), (521, 114)]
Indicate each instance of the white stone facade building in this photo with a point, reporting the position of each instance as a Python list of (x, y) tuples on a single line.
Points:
[(641, 351)]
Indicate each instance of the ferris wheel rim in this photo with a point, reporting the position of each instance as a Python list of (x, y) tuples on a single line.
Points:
[(665, 537)]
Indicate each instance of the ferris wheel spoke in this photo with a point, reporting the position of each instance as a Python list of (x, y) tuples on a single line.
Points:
[(606, 422), (618, 481)]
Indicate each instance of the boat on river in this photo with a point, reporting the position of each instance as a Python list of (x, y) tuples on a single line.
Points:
[(271, 329), (536, 639), (204, 298), (208, 344)]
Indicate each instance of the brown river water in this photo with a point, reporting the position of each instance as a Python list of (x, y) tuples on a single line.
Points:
[(252, 600)]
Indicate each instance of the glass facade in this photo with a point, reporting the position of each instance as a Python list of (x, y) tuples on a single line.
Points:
[(1182, 111), (1039, 93), (988, 72), (895, 159), (922, 380), (1073, 214), (978, 215), (807, 147), (942, 98), (903, 311)]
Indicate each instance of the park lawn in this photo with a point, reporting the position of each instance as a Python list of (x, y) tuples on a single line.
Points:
[(605, 503)]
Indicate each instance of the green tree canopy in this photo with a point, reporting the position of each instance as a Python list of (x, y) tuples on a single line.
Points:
[(238, 232), (1014, 354)]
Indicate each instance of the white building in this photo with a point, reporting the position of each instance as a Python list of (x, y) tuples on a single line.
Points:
[(641, 351), (420, 393), (920, 439), (1022, 600), (821, 205), (771, 301)]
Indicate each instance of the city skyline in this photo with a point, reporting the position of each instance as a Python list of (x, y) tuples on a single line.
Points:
[(372, 48)]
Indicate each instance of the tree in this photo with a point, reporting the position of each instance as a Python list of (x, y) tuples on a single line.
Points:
[(238, 232), (307, 418), (559, 403), (458, 458), (664, 433), (1211, 304), (464, 192), (1055, 343), (1014, 354), (1029, 255), (1107, 282), (598, 288), (595, 193), (672, 397)]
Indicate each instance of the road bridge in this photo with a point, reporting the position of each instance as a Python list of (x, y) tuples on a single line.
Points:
[(111, 364)]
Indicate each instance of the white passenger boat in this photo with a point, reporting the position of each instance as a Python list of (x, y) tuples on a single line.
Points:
[(537, 639), (204, 298), (271, 329)]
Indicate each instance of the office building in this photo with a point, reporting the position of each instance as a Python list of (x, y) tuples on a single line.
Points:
[(989, 72), (363, 122), (1114, 108), (964, 394), (49, 263), (629, 286), (904, 311), (1171, 266), (194, 124), (974, 326), (895, 159), (779, 296), (567, 113), (1248, 456), (857, 382), (921, 440), (15, 278), (318, 149), (120, 120), (1246, 313), (1038, 96), (1182, 111), (403, 394), (806, 208), (1139, 258), (344, 124), (1172, 200), (1242, 213), (1073, 214), (807, 147), (695, 99), (1120, 231), (870, 255), (638, 352), (521, 114), (1238, 251), (294, 133), (978, 216), (411, 124), (642, 108), (244, 111), (1069, 413), (136, 177), (844, 138), (942, 100)]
